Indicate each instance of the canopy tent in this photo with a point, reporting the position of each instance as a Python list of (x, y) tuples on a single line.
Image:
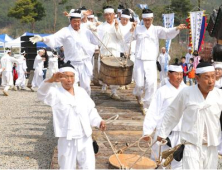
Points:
[(5, 38), (17, 41)]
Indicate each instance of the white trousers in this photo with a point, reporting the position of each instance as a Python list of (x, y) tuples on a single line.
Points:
[(193, 159), (70, 158), (37, 78), (175, 140), (220, 146), (145, 77), (21, 79), (7, 80), (84, 74), (163, 74)]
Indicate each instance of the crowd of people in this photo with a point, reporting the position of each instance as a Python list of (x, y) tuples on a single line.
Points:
[(174, 111)]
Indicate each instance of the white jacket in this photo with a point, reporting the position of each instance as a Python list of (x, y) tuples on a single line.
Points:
[(73, 116), (147, 40), (196, 112)]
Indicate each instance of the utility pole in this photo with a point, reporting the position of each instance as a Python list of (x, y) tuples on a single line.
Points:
[(199, 5)]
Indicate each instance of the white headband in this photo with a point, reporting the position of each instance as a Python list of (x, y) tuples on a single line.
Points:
[(125, 16), (109, 10), (175, 68), (91, 16), (23, 52), (41, 50), (8, 51), (204, 69), (218, 66), (119, 10), (66, 69), (77, 15), (149, 15)]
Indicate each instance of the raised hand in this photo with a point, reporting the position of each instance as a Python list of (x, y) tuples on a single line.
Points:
[(102, 125), (133, 27), (181, 27), (57, 77), (116, 24), (36, 39)]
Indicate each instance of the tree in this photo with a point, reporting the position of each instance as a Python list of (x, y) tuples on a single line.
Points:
[(27, 11), (55, 5), (180, 8)]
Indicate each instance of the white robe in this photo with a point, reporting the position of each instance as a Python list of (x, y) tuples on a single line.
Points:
[(163, 58), (73, 117), (7, 63), (111, 38), (53, 65), (79, 47), (21, 69), (162, 99), (147, 49), (218, 83), (196, 112), (125, 47), (188, 56), (38, 73)]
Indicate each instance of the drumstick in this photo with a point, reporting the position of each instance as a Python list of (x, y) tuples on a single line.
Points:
[(102, 43), (143, 154)]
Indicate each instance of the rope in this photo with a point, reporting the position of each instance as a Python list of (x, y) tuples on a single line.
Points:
[(105, 47)]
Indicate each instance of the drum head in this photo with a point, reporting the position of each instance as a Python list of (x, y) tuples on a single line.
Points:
[(116, 61), (128, 160)]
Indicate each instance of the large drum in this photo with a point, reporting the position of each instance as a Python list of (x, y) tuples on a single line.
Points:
[(116, 70), (127, 160), (95, 69)]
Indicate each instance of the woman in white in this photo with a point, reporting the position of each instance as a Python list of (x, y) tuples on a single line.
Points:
[(38, 66), (21, 69), (53, 64)]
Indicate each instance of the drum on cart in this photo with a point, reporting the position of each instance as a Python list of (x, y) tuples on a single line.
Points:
[(116, 70)]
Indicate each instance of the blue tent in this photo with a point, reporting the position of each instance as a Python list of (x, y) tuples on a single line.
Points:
[(39, 44), (5, 38)]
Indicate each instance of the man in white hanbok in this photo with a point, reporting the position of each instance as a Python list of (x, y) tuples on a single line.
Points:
[(74, 113), (7, 63), (188, 55), (38, 70), (53, 64), (164, 59), (109, 33), (218, 84), (161, 100), (147, 47), (21, 70), (78, 48), (218, 69), (200, 109)]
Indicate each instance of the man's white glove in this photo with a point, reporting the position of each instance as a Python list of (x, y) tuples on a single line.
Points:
[(36, 39)]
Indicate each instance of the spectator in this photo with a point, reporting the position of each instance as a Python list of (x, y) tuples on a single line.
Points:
[(46, 61), (191, 72), (196, 59), (61, 56), (184, 66)]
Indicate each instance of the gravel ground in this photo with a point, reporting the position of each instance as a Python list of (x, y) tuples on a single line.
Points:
[(26, 131)]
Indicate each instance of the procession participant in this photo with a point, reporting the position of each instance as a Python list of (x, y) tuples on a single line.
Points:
[(53, 64), (38, 70), (145, 71), (78, 48), (7, 63), (124, 27), (188, 55), (164, 59), (160, 102), (91, 17), (119, 12), (218, 84), (109, 33), (200, 108), (21, 69), (74, 113), (218, 69)]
